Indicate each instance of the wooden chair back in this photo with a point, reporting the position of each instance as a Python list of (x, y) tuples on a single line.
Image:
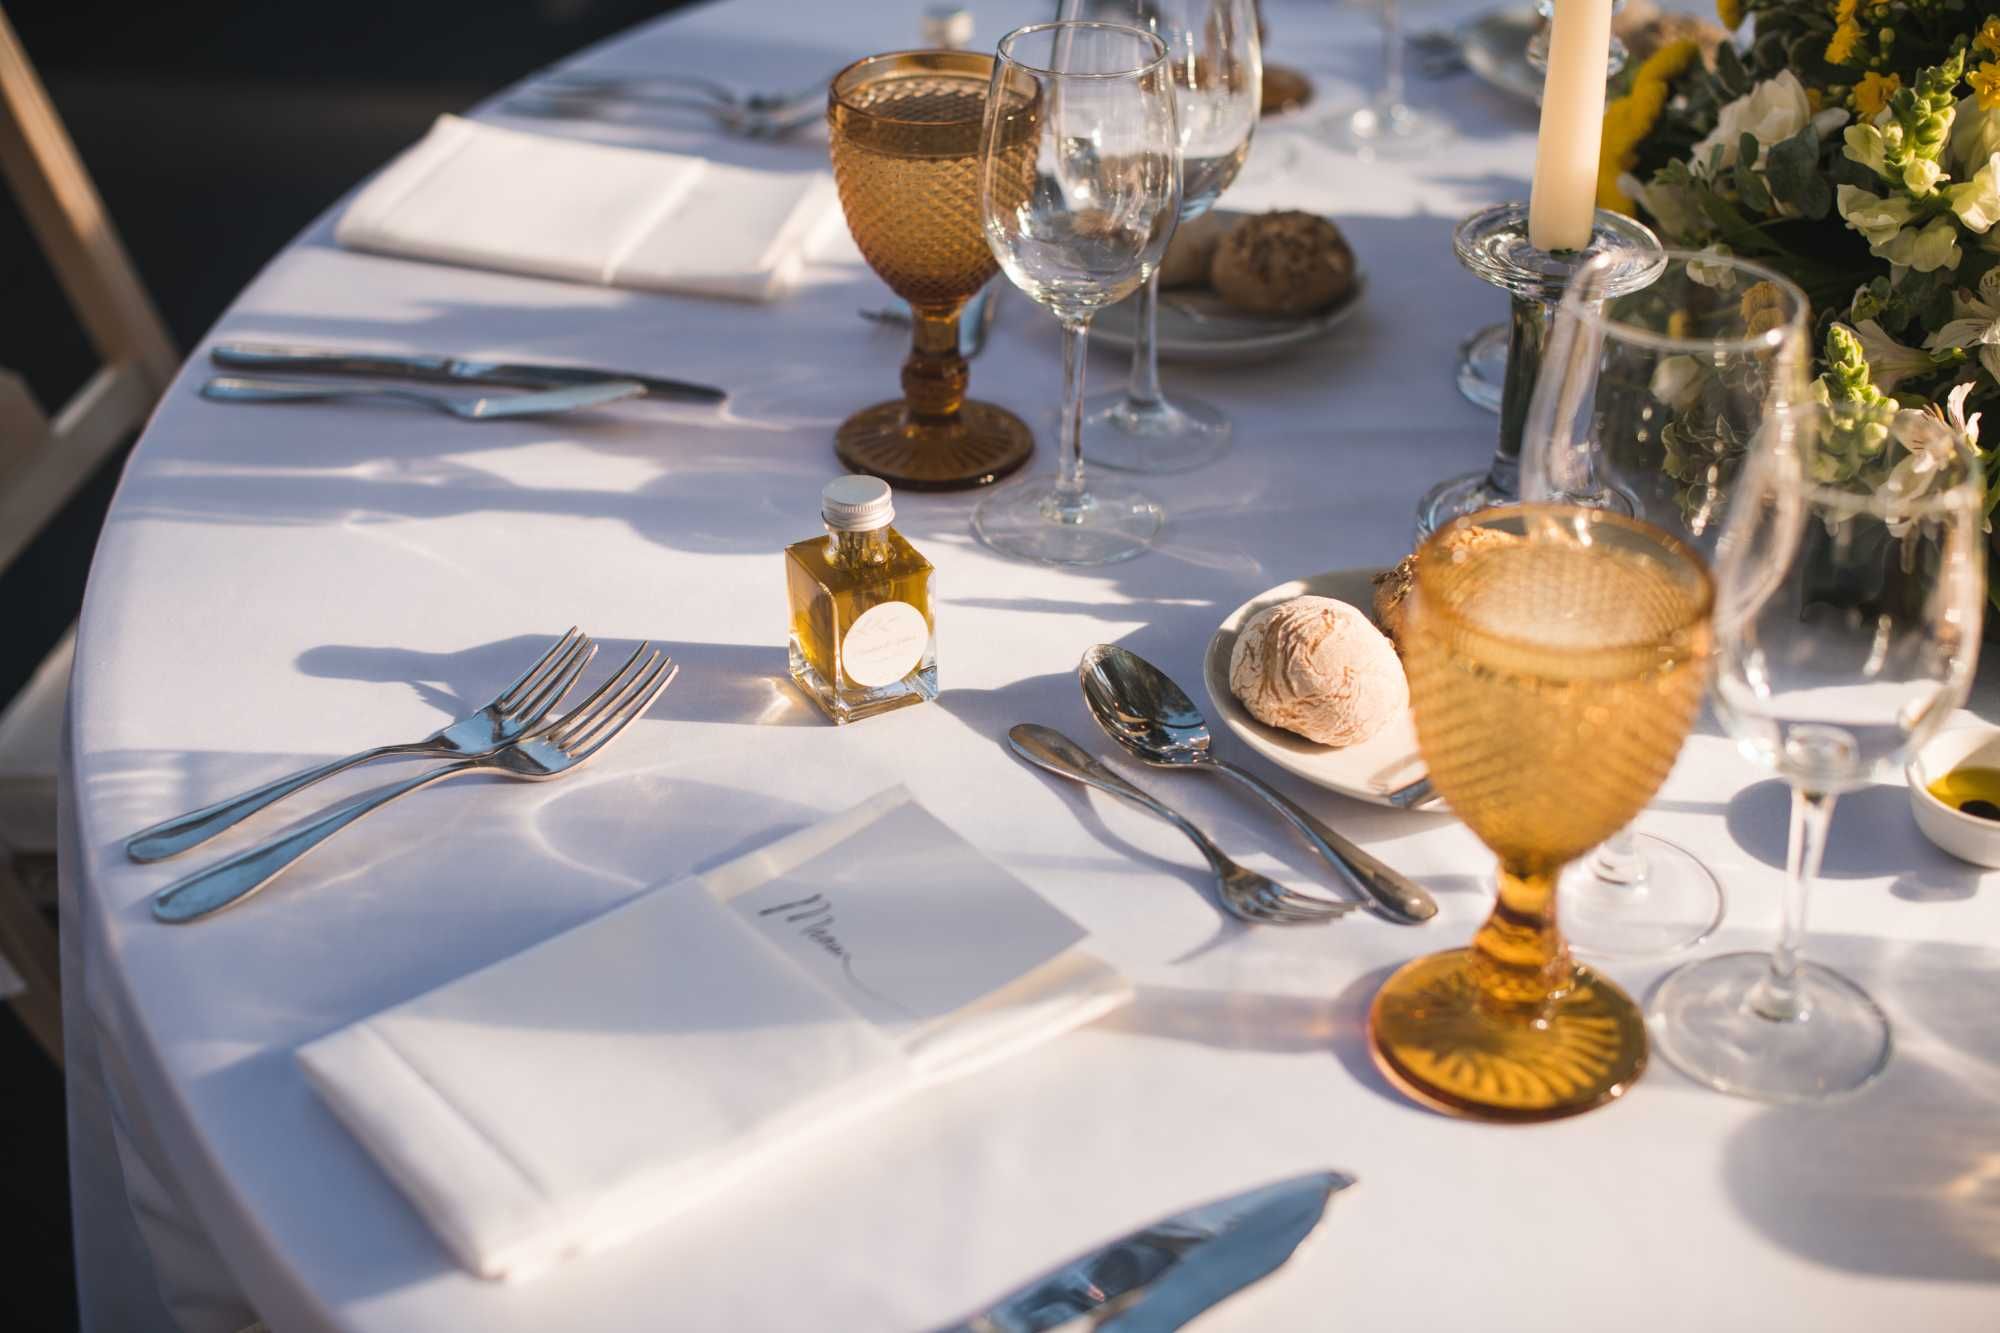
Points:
[(45, 457)]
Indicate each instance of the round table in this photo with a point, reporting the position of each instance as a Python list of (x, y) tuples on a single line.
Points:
[(277, 584)]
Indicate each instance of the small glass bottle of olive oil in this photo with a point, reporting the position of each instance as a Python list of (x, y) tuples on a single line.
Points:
[(864, 639)]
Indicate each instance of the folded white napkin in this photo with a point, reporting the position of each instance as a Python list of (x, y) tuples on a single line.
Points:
[(560, 208), (568, 1096)]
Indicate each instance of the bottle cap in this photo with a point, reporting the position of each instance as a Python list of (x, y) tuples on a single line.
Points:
[(856, 503), (946, 25)]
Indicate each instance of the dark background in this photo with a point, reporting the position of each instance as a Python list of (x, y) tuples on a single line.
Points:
[(215, 131)]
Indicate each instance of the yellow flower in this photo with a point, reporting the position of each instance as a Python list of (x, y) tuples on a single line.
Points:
[(1679, 324), (1986, 82), (1846, 38), (1628, 120), (1763, 308), (1988, 39), (1843, 12), (1873, 92), (1730, 12)]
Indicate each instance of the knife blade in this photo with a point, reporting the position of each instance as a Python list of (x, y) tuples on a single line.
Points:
[(1159, 1277), (446, 369)]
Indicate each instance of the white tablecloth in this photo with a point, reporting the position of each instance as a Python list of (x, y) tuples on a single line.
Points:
[(278, 583)]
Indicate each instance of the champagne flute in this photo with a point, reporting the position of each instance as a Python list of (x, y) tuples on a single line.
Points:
[(1556, 657), (905, 140), (1214, 52), (1645, 405), (1078, 223), (1852, 578)]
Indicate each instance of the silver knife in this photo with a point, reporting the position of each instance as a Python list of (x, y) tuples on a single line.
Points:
[(1158, 1278), (446, 369)]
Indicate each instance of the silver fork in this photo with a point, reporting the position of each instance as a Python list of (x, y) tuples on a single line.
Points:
[(509, 715), (1245, 894), (556, 748)]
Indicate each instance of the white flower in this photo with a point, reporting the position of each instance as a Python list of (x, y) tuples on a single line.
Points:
[(1677, 381), (1977, 201), (1829, 120), (1772, 112), (1933, 247), (1920, 176), (1711, 269), (1889, 362), (1680, 218), (1975, 138), (1930, 444), (1869, 146), (1877, 219), (1974, 323)]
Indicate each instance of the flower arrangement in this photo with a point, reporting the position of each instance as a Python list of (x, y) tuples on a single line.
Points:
[(1853, 145)]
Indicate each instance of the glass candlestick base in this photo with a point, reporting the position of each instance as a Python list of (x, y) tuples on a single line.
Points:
[(1493, 243), (1482, 367)]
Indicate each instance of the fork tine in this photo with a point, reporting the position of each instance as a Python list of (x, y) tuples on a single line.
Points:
[(533, 671), (1273, 898), (633, 710), (536, 704), (559, 684), (558, 728), (582, 734), (1325, 906)]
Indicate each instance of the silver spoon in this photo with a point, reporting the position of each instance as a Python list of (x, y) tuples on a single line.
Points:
[(1141, 708)]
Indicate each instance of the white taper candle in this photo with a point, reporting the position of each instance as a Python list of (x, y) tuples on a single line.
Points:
[(1563, 202)]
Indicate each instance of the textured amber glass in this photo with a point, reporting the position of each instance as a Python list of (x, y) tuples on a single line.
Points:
[(1556, 665), (905, 132)]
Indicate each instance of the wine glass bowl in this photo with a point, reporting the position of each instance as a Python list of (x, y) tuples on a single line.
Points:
[(1556, 657), (905, 130), (1083, 225)]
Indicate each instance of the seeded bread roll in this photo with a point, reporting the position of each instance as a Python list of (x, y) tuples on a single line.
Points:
[(1282, 264)]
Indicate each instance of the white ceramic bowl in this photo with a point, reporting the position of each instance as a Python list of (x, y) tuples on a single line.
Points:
[(1968, 837)]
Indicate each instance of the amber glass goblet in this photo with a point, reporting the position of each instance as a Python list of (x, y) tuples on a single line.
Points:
[(1557, 657), (905, 129)]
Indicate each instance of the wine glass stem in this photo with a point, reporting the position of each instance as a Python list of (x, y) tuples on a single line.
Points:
[(1069, 497), (935, 375), (1144, 390), (1390, 99), (1780, 995), (1620, 861), (1520, 961)]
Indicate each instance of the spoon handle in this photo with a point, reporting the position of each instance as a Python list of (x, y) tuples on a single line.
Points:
[(1397, 894)]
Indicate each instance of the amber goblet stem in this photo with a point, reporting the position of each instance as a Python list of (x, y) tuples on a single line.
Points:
[(1520, 961), (935, 375)]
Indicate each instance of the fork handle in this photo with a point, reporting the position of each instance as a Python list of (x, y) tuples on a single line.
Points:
[(172, 836), (241, 875), (1396, 893), (1056, 753)]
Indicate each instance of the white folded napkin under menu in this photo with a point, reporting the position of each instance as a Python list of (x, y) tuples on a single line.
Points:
[(496, 198), (589, 1087)]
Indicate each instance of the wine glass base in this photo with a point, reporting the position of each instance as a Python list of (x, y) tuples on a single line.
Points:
[(1456, 497), (1482, 367), (1678, 906), (1122, 432), (1375, 130), (1033, 523), (1435, 1039), (985, 444), (1705, 1025)]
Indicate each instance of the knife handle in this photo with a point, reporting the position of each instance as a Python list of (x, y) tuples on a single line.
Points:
[(258, 356)]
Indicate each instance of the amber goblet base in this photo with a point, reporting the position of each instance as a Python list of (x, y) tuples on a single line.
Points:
[(981, 444)]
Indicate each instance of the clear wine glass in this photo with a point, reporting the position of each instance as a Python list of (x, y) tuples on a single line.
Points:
[(1385, 124), (1080, 187), (1217, 64), (1851, 580), (1645, 405)]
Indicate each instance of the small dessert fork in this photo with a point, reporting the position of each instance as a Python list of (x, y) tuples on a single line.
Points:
[(1245, 894), (550, 751)]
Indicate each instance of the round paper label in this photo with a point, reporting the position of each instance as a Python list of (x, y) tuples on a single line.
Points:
[(884, 644)]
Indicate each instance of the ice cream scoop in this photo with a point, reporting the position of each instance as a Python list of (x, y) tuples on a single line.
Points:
[(1320, 668)]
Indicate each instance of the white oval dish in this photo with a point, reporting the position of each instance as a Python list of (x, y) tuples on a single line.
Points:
[(1368, 771), (1968, 837)]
